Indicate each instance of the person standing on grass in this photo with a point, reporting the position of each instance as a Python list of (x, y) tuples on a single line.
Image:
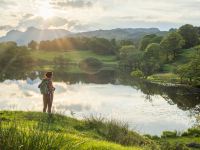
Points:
[(47, 90)]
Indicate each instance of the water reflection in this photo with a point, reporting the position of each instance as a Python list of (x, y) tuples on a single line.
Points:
[(148, 107)]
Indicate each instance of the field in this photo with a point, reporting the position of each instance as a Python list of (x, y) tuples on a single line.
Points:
[(73, 56)]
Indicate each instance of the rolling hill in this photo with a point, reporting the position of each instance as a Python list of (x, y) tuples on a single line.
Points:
[(23, 38)]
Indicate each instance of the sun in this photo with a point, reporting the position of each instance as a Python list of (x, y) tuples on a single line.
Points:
[(45, 11)]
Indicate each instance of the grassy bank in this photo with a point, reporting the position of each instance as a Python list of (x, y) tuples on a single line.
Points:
[(33, 130)]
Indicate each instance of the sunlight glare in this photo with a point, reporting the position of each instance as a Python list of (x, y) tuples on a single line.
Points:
[(45, 11)]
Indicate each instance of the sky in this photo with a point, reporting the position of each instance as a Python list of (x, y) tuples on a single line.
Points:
[(86, 15)]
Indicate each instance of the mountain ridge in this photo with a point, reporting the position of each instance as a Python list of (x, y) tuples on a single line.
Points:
[(32, 33)]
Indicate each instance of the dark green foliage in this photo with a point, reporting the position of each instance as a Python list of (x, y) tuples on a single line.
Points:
[(190, 35), (14, 60), (169, 146), (98, 45), (148, 39), (153, 50), (169, 134), (172, 44), (191, 71), (137, 73), (130, 56), (90, 64), (33, 45)]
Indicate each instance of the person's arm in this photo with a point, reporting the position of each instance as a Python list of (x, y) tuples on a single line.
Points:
[(50, 86)]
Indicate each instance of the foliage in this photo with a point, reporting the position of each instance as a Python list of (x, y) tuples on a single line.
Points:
[(190, 35), (169, 134), (137, 73), (14, 60), (33, 45), (98, 45), (148, 39), (130, 56), (172, 44), (191, 70)]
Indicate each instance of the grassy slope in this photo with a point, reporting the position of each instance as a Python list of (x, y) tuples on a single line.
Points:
[(73, 130), (74, 56)]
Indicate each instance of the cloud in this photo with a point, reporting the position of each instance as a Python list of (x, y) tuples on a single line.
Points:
[(71, 3), (6, 3), (53, 22), (27, 16), (6, 27)]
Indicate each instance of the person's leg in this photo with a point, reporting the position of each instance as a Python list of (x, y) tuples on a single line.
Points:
[(50, 102), (45, 102)]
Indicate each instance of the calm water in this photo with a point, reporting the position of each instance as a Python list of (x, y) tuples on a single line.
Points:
[(148, 108)]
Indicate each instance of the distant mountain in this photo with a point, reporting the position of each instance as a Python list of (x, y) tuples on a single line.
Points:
[(23, 38), (119, 34)]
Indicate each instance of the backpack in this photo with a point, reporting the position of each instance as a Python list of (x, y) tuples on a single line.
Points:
[(44, 86)]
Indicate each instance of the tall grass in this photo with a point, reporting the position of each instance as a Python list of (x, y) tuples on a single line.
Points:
[(22, 136), (118, 132)]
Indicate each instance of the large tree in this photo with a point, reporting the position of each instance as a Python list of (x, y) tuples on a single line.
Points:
[(148, 39), (153, 50), (190, 35), (172, 43)]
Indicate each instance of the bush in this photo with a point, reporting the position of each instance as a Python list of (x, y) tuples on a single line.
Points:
[(170, 134), (137, 74)]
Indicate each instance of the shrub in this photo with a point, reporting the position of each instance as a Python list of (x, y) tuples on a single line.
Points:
[(170, 134), (137, 73)]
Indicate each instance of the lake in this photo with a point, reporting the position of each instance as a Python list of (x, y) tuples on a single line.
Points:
[(146, 107)]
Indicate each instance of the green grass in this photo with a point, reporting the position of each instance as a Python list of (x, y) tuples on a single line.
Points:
[(164, 78), (74, 56), (34, 130)]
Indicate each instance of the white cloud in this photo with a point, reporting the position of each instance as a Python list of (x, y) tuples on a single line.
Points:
[(95, 14)]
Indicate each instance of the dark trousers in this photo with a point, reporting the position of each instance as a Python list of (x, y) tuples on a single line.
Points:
[(47, 102)]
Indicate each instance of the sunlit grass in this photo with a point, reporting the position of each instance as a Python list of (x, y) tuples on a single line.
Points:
[(74, 56), (33, 130)]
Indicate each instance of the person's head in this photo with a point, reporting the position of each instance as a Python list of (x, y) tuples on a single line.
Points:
[(49, 74)]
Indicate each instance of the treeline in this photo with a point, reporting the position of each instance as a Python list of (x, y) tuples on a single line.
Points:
[(98, 45), (156, 51), (14, 60)]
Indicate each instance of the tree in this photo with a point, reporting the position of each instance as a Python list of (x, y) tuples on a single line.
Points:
[(15, 60), (148, 39), (191, 70), (190, 35), (171, 44), (32, 45), (130, 56), (153, 50), (150, 66)]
